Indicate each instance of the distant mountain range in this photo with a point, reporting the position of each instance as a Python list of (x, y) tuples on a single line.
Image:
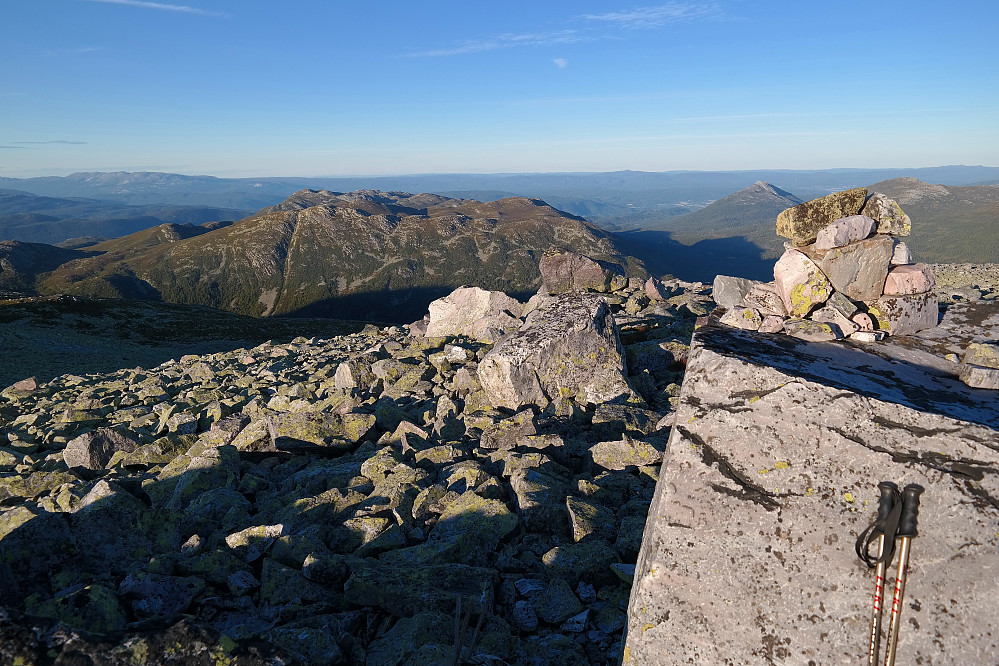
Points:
[(41, 219), (362, 255), (379, 255), (736, 234), (614, 200)]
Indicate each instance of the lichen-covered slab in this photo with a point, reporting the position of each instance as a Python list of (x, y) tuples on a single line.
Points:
[(771, 473), (800, 284), (567, 348), (802, 222), (904, 315)]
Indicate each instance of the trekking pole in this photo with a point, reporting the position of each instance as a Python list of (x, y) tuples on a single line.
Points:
[(886, 549), (906, 531)]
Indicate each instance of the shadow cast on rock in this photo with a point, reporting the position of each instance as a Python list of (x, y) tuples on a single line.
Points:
[(857, 369)]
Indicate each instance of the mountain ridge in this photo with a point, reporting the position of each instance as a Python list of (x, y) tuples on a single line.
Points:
[(358, 255), (613, 200)]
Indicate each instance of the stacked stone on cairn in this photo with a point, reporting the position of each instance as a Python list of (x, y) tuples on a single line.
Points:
[(844, 273)]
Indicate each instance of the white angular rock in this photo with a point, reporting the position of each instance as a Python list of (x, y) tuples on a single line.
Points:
[(800, 284), (844, 231), (463, 310), (901, 255), (867, 336), (978, 376), (569, 347)]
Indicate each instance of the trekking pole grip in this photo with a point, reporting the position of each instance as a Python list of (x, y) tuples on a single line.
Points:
[(889, 493), (910, 510)]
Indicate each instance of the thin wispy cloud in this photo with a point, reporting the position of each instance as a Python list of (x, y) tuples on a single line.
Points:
[(79, 51), (160, 6), (506, 41), (562, 63), (660, 15), (14, 147), (60, 141)]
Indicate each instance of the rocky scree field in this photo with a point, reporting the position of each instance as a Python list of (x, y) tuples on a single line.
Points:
[(351, 500)]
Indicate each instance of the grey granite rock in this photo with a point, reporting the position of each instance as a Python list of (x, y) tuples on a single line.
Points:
[(771, 475), (857, 270), (474, 312), (94, 450), (569, 347), (729, 292), (563, 272)]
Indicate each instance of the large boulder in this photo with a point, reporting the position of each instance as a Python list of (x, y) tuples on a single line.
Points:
[(567, 348), (563, 271), (94, 449), (748, 555), (803, 222), (858, 270), (474, 312)]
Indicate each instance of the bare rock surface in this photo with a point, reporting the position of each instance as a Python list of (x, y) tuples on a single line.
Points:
[(728, 291), (844, 231), (567, 348), (563, 271), (474, 312), (769, 476), (338, 501), (858, 269)]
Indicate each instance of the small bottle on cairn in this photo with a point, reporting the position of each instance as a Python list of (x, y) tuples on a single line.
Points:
[(844, 273)]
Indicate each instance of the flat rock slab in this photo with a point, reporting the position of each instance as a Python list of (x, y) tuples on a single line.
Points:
[(769, 476)]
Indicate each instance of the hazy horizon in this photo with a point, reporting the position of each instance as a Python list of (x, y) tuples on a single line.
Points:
[(59, 173), (255, 89)]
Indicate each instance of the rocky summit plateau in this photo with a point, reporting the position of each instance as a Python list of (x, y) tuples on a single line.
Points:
[(606, 472), (348, 500)]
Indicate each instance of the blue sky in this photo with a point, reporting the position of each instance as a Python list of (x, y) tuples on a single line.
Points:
[(337, 87)]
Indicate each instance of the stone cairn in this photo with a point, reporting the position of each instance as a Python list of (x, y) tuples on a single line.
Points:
[(346, 501), (844, 274)]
